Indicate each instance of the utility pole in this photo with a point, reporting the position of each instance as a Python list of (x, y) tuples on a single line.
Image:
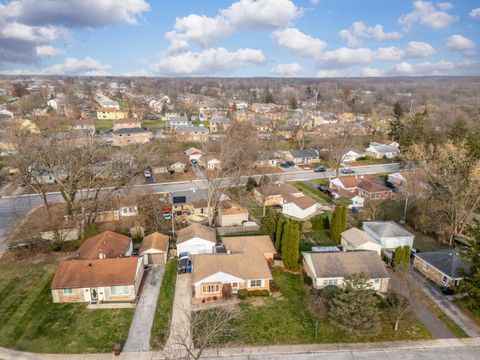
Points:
[(405, 210)]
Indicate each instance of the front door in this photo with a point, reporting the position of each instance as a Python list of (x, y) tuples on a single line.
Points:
[(94, 294)]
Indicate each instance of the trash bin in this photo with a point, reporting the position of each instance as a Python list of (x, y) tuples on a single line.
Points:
[(117, 349)]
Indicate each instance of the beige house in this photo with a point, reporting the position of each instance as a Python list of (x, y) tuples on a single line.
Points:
[(238, 244), (269, 195), (155, 249), (231, 214), (200, 207), (126, 123), (97, 280), (128, 136), (356, 239), (216, 276), (335, 268)]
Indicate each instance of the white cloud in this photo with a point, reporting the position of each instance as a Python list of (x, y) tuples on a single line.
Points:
[(287, 69), (371, 72), (299, 43), (332, 74), (241, 15), (459, 43), (389, 53), (475, 14), (29, 28), (359, 30), (445, 6), (426, 13), (208, 62), (48, 51), (344, 57), (73, 66), (419, 49), (440, 68), (74, 13)]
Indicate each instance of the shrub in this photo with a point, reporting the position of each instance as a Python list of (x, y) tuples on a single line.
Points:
[(265, 292), (307, 279), (255, 293), (242, 294), (307, 226), (274, 286)]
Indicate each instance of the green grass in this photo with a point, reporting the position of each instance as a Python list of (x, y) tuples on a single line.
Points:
[(312, 192), (103, 124), (30, 321), (201, 123), (163, 312), (287, 320), (373, 161), (153, 124), (255, 209), (324, 182)]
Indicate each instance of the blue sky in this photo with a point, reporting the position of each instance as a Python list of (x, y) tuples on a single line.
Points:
[(304, 38)]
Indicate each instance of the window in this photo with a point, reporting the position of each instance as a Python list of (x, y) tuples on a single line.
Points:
[(119, 290), (377, 281), (67, 292), (255, 283), (208, 289), (335, 282), (330, 282), (325, 282), (426, 266)]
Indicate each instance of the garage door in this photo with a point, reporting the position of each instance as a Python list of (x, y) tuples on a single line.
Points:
[(156, 259)]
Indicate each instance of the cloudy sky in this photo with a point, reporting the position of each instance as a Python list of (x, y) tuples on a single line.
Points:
[(305, 38)]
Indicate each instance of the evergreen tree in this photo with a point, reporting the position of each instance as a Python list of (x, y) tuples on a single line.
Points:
[(355, 309), (397, 110), (279, 232), (293, 103), (269, 223), (458, 130), (291, 245), (470, 285), (401, 258), (339, 222), (251, 184)]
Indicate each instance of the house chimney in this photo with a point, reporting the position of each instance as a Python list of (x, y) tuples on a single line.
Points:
[(101, 255)]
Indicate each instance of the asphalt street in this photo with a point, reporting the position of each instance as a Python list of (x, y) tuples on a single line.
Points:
[(14, 208)]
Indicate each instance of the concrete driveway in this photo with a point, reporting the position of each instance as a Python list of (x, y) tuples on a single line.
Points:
[(139, 335), (180, 336)]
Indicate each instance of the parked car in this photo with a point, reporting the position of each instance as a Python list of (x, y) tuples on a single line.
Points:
[(284, 165), (320, 168), (347, 171), (147, 174), (330, 193), (184, 263), (391, 185), (194, 162), (322, 188), (290, 163)]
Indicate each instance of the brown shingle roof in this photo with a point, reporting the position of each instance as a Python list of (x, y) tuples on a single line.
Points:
[(238, 244), (373, 186), (349, 181), (126, 121), (303, 202), (247, 266), (196, 230), (357, 237), (108, 242), (228, 207), (97, 272), (201, 203), (155, 241), (345, 264)]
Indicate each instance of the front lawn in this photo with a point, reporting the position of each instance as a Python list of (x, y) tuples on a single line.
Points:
[(315, 194), (153, 124), (103, 124), (288, 320), (30, 321), (163, 312)]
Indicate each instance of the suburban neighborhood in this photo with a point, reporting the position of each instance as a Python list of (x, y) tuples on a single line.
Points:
[(209, 181)]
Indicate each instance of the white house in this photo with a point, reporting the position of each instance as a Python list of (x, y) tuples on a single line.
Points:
[(352, 155), (335, 268), (196, 239), (210, 164), (389, 234), (356, 201), (298, 206), (380, 151), (193, 153), (356, 239)]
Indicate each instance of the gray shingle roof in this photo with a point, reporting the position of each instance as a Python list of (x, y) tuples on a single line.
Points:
[(448, 261), (129, 131), (386, 228), (307, 153), (345, 264), (191, 129)]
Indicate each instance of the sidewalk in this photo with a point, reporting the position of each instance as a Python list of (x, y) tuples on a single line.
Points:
[(452, 310)]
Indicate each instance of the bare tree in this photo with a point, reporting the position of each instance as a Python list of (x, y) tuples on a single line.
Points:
[(337, 147), (401, 297), (453, 176), (208, 328), (237, 154)]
